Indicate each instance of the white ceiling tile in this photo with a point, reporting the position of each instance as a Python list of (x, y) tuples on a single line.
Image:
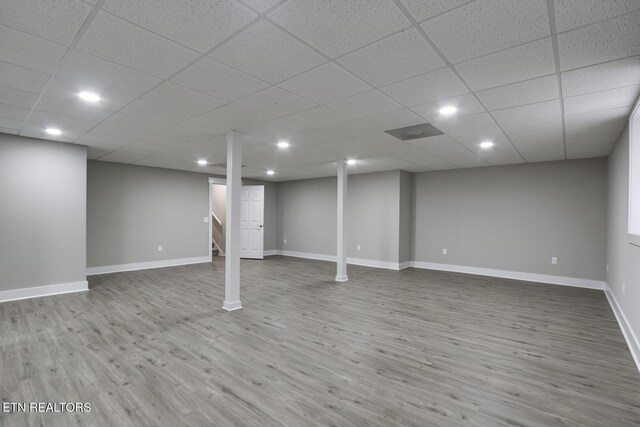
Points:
[(525, 113), (615, 74), (399, 164), (189, 134), (318, 117), (57, 21), (135, 123), (238, 115), (605, 41), (311, 137), (219, 80), (538, 141), (39, 121), (466, 105), (276, 102), (575, 13), (198, 24), (365, 105), (270, 132), (527, 92), (182, 98), (207, 124), (447, 149), (503, 152), (422, 10), (347, 130), (13, 112), (614, 98), (325, 83), (268, 53), (159, 161), (157, 112), (74, 108), (393, 120), (486, 26), (594, 134), (426, 88), (98, 73), (261, 5), (28, 51), (475, 122), (68, 90), (336, 26), (118, 41), (132, 153), (509, 66), (11, 124), (101, 141), (118, 132), (66, 137), (397, 57), (19, 98), (22, 78)]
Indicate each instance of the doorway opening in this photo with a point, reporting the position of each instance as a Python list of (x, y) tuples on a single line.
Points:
[(251, 217)]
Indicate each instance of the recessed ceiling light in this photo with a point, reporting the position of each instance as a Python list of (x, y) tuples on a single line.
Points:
[(202, 162), (352, 161), (448, 110), (486, 144), (271, 172), (53, 131), (283, 144), (89, 96)]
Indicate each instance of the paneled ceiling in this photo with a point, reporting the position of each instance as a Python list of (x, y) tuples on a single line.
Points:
[(542, 79)]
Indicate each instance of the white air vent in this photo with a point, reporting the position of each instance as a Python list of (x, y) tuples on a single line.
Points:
[(414, 132)]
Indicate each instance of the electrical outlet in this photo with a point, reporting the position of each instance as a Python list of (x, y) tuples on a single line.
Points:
[(444, 251), (206, 219), (607, 268), (285, 241), (554, 260), (358, 247), (159, 248), (624, 287)]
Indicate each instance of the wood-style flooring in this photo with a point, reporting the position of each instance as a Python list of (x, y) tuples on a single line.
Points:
[(386, 348)]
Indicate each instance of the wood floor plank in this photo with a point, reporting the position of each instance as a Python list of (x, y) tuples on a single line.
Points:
[(411, 347)]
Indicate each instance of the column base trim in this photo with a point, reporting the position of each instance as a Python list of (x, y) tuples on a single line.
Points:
[(342, 278), (231, 306)]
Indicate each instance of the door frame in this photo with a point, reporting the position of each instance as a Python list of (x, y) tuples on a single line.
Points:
[(215, 181)]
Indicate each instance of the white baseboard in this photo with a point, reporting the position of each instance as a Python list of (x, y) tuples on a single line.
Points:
[(270, 252), (515, 275), (353, 261), (43, 291), (91, 271), (307, 255), (632, 339)]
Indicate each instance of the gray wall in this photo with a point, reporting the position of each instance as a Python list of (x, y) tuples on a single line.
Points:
[(307, 216), (42, 212), (406, 217), (515, 217), (623, 258), (131, 210), (219, 206)]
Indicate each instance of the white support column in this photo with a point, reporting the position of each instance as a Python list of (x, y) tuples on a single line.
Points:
[(232, 253), (341, 275)]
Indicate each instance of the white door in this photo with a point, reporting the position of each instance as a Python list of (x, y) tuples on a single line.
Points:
[(251, 221)]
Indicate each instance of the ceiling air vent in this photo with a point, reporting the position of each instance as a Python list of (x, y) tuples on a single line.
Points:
[(414, 132)]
